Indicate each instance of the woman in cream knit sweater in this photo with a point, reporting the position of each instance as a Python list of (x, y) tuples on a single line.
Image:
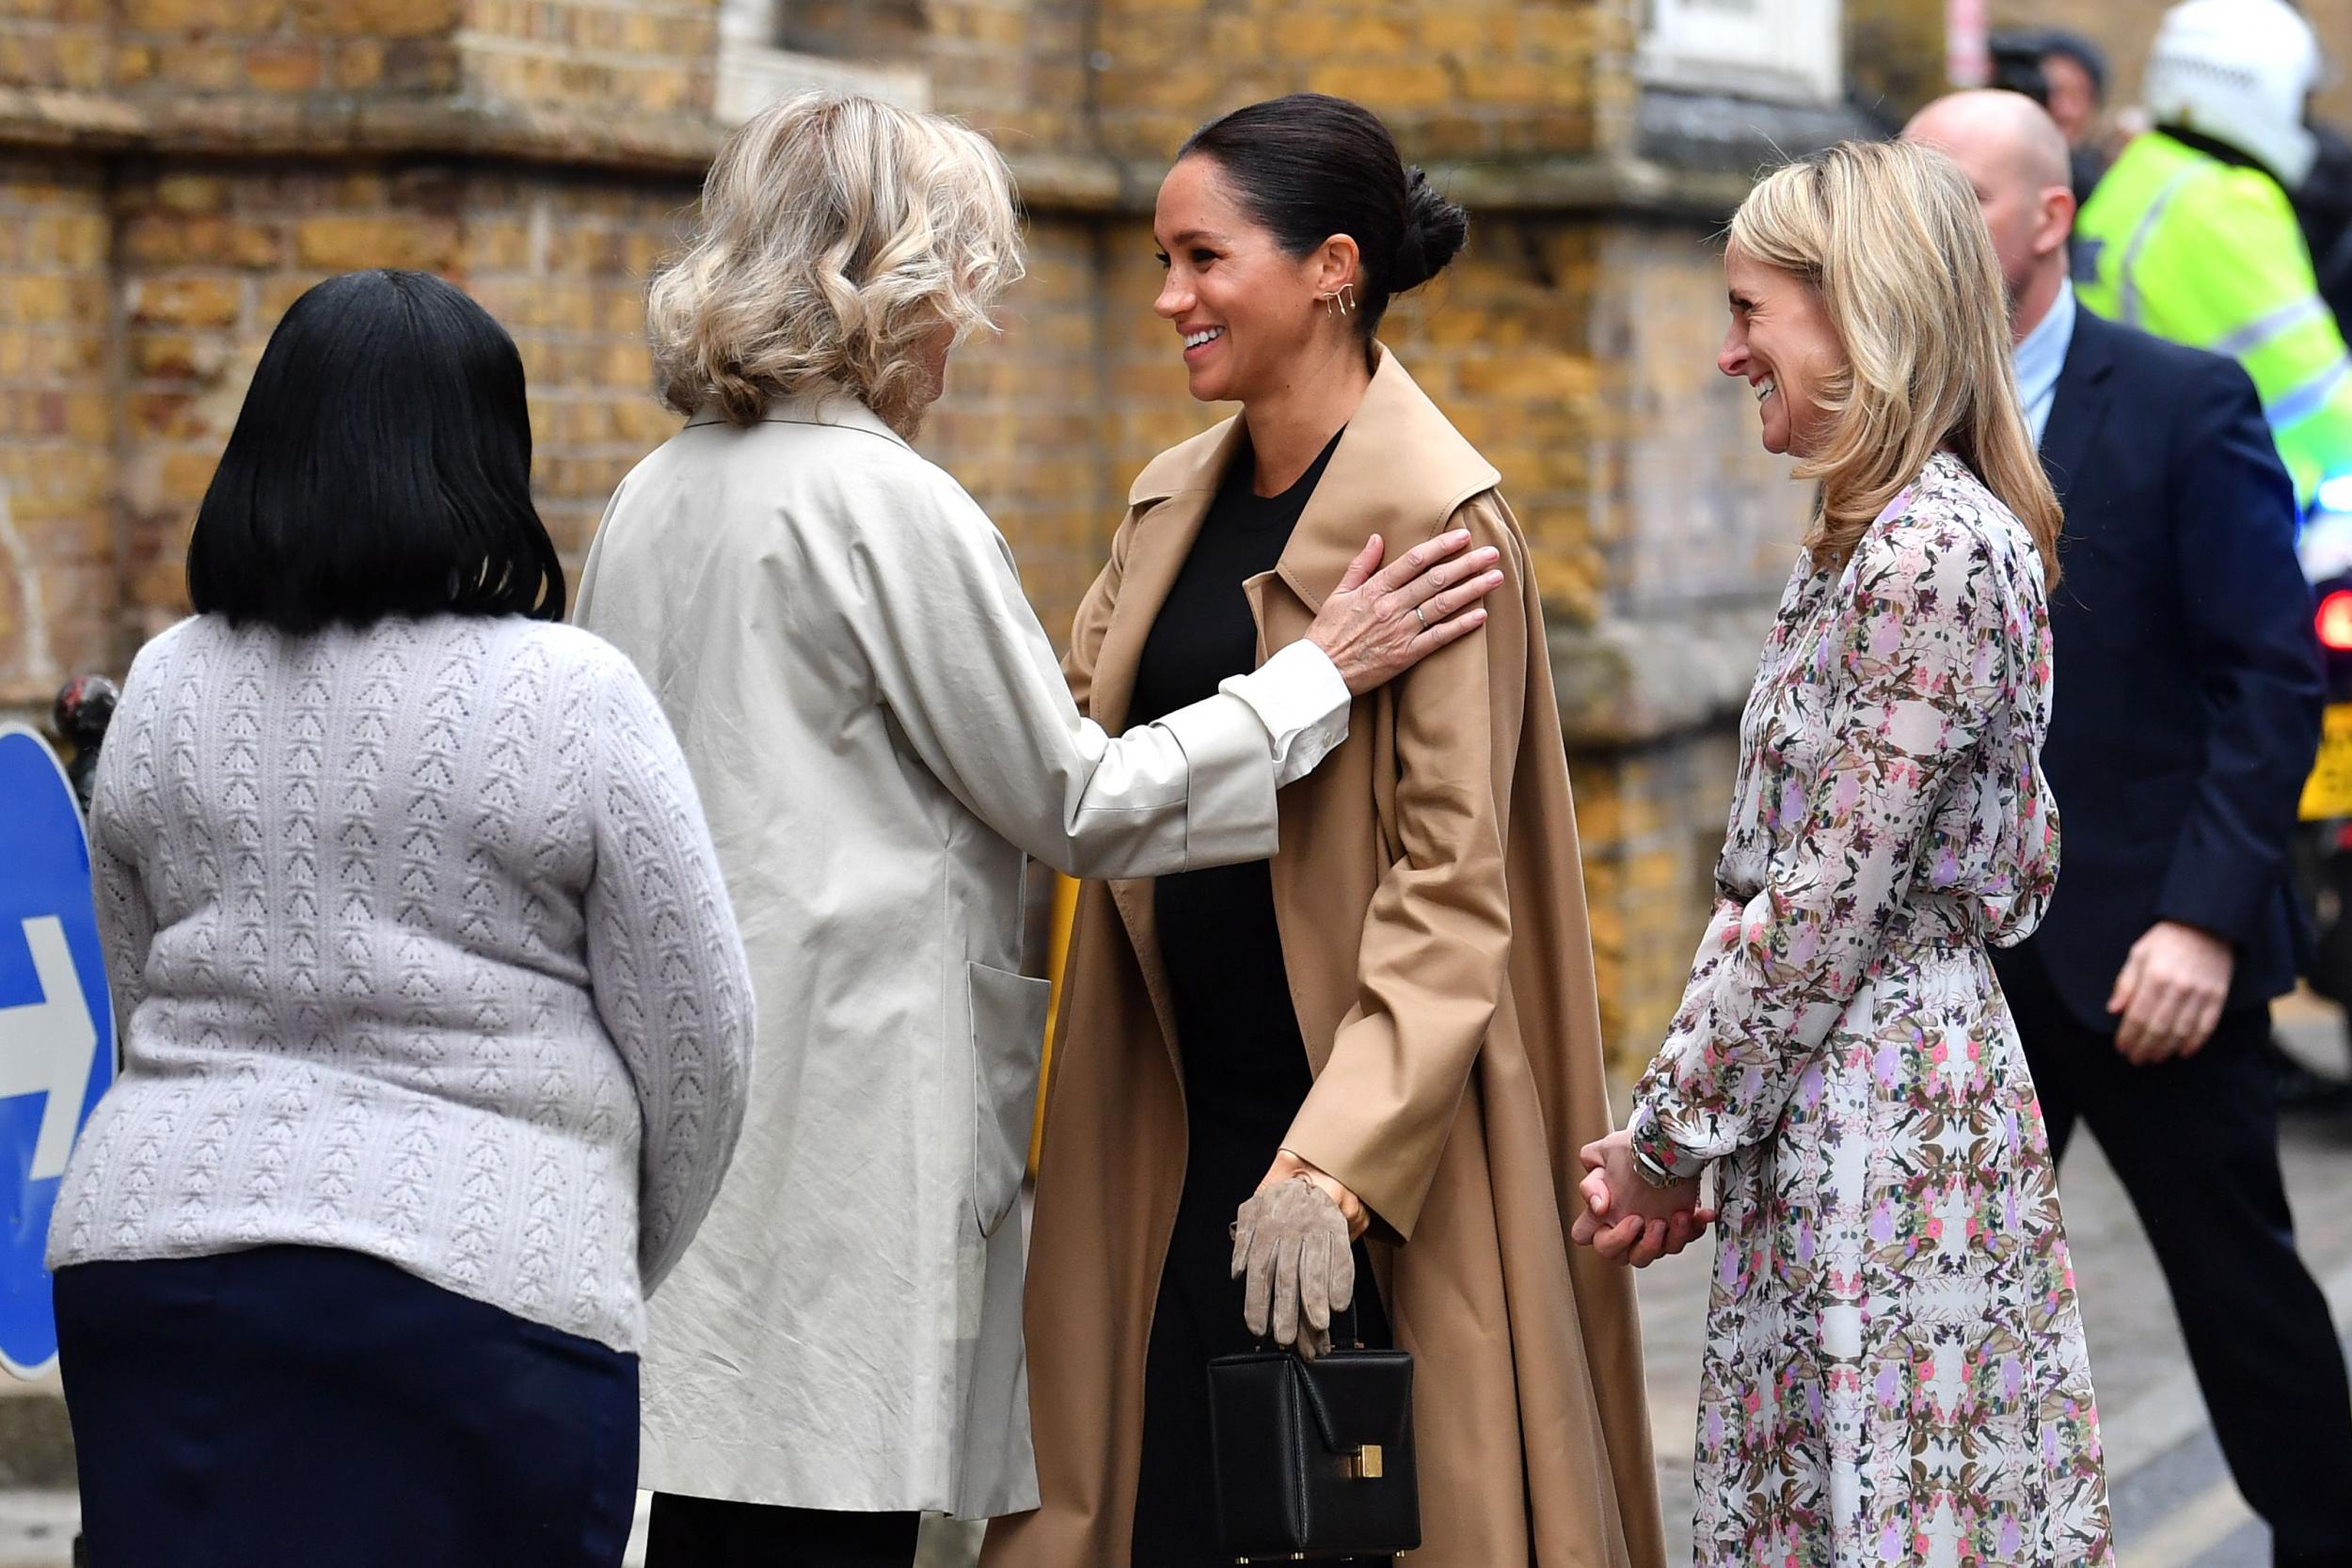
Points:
[(436, 1016)]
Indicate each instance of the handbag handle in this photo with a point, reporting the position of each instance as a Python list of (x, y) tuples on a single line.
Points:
[(1346, 1315), (1352, 1341)]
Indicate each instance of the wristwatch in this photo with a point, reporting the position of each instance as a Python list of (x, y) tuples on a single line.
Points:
[(1651, 1170)]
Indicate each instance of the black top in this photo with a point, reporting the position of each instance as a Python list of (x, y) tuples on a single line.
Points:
[(1244, 1064)]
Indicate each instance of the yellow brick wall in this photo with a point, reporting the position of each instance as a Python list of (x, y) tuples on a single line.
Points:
[(1014, 68), (289, 47), (58, 592), (55, 43), (211, 255), (1469, 78), (1651, 822), (641, 57)]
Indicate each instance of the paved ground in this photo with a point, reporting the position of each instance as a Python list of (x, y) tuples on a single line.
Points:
[(2174, 1504)]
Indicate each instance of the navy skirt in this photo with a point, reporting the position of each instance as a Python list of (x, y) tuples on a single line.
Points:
[(294, 1407)]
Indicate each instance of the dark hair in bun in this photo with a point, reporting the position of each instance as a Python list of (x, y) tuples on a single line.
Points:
[(1308, 166)]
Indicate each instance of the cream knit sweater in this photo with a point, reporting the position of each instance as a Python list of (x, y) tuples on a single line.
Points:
[(420, 950)]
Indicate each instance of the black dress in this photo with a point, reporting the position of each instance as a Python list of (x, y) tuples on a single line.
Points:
[(1245, 1066)]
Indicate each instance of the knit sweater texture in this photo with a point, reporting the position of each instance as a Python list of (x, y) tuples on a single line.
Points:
[(421, 951)]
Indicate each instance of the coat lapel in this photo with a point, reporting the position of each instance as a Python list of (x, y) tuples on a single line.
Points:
[(2080, 405), (1155, 553), (1400, 470), (1156, 550)]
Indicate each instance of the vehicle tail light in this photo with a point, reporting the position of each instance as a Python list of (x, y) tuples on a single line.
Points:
[(2334, 621)]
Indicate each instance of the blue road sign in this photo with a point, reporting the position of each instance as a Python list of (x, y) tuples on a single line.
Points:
[(56, 1028)]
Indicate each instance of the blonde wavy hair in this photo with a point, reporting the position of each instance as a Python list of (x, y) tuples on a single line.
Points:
[(837, 233), (1889, 236)]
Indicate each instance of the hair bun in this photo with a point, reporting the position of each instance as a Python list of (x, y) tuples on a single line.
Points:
[(1434, 231)]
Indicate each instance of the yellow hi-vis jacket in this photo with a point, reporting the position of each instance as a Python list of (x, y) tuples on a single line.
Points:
[(2180, 244)]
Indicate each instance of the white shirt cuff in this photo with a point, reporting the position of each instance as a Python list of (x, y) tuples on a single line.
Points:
[(1302, 699)]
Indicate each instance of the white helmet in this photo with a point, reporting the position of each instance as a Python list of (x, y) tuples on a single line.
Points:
[(2237, 70)]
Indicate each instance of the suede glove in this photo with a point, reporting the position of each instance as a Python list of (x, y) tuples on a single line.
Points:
[(1291, 1252)]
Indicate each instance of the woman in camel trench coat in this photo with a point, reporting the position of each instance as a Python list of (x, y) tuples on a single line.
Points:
[(1431, 911)]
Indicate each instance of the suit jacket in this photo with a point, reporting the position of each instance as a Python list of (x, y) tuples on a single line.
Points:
[(2188, 676)]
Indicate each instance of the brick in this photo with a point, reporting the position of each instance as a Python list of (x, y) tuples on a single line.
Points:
[(192, 193), (175, 240), (186, 475), (284, 65), (383, 19), (1402, 85), (188, 302), (358, 63), (345, 243), (419, 65), (170, 355), (201, 16)]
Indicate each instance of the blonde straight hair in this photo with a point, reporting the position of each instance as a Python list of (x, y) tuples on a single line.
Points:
[(1889, 236), (837, 232)]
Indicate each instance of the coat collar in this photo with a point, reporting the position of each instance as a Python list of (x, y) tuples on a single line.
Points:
[(2080, 404), (829, 406), (1400, 457), (1400, 470)]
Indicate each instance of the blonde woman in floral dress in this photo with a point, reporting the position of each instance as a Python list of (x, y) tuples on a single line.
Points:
[(1895, 1371)]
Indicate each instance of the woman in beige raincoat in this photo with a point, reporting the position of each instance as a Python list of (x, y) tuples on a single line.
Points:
[(880, 735), (1399, 1013)]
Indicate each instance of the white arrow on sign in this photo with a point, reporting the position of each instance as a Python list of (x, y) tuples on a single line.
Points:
[(46, 1046)]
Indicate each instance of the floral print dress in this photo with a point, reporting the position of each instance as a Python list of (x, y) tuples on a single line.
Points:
[(1894, 1370)]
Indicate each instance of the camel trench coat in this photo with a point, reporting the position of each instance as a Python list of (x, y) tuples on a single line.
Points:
[(879, 732), (1431, 906)]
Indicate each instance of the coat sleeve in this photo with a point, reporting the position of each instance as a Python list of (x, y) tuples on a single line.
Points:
[(2248, 615), (960, 662), (1920, 668), (665, 966), (1436, 943)]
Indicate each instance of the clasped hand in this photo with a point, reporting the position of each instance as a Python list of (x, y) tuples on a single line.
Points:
[(1626, 1220)]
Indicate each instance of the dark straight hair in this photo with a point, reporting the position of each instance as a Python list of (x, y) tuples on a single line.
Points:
[(381, 465), (1308, 166)]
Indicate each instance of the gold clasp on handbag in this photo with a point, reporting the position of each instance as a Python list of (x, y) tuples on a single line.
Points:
[(1364, 1464)]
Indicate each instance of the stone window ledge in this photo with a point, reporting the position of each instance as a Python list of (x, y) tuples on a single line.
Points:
[(752, 76), (1694, 131), (1693, 154)]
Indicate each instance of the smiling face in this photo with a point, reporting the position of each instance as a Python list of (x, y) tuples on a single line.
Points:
[(1247, 311), (1782, 344)]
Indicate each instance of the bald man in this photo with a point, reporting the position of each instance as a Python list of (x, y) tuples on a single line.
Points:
[(2188, 698)]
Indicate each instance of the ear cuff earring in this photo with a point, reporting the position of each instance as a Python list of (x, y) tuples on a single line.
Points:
[(1340, 303)]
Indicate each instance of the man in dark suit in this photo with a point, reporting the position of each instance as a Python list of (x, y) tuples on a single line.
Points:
[(2188, 711)]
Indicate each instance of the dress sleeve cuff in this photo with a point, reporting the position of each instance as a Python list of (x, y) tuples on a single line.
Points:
[(1301, 699), (1652, 1146)]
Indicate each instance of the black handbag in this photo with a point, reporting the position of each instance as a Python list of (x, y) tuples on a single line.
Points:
[(1315, 1459)]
